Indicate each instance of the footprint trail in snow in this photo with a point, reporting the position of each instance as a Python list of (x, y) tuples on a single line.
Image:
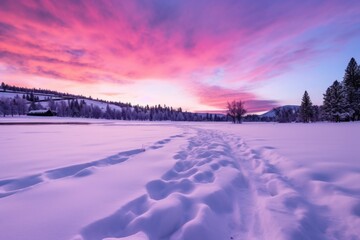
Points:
[(218, 188), (12, 186)]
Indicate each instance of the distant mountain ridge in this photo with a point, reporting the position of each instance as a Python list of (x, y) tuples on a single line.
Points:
[(272, 113)]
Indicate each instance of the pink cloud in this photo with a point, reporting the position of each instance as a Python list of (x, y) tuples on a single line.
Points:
[(218, 97), (169, 40)]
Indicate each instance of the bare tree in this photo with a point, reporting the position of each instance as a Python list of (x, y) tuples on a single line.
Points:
[(240, 111), (231, 106), (236, 110)]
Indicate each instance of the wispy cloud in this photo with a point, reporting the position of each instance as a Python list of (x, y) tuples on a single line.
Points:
[(218, 97), (170, 40)]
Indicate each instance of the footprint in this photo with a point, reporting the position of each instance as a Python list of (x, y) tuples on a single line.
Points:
[(240, 181), (7, 181), (173, 175), (117, 223), (269, 147), (226, 163), (204, 154), (85, 172), (66, 171), (204, 177), (159, 189), (164, 141), (203, 162), (220, 201), (182, 155), (156, 147), (177, 136), (182, 166), (272, 187), (79, 170), (112, 160), (215, 166), (22, 183)]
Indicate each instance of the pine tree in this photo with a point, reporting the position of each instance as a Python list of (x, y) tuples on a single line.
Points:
[(357, 96), (351, 74), (306, 109), (351, 84), (5, 106), (326, 108), (336, 107), (32, 106), (316, 113), (3, 86), (109, 113), (51, 104)]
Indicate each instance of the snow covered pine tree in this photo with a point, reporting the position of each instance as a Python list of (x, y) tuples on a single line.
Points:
[(335, 104), (351, 83)]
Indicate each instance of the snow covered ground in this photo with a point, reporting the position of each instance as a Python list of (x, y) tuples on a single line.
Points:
[(142, 180)]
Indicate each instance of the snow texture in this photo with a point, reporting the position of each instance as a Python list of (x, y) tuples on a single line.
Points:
[(119, 180)]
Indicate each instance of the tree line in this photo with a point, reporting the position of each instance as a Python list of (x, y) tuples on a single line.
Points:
[(341, 101), (75, 107), (33, 92), (13, 106)]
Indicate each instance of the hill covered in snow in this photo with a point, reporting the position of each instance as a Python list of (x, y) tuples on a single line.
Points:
[(272, 112), (18, 101)]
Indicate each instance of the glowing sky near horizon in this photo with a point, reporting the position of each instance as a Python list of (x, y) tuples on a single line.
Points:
[(191, 54)]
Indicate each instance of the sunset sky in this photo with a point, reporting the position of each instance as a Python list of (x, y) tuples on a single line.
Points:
[(195, 54)]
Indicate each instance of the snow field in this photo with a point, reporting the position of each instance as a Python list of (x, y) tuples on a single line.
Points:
[(193, 181), (66, 199), (320, 162)]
